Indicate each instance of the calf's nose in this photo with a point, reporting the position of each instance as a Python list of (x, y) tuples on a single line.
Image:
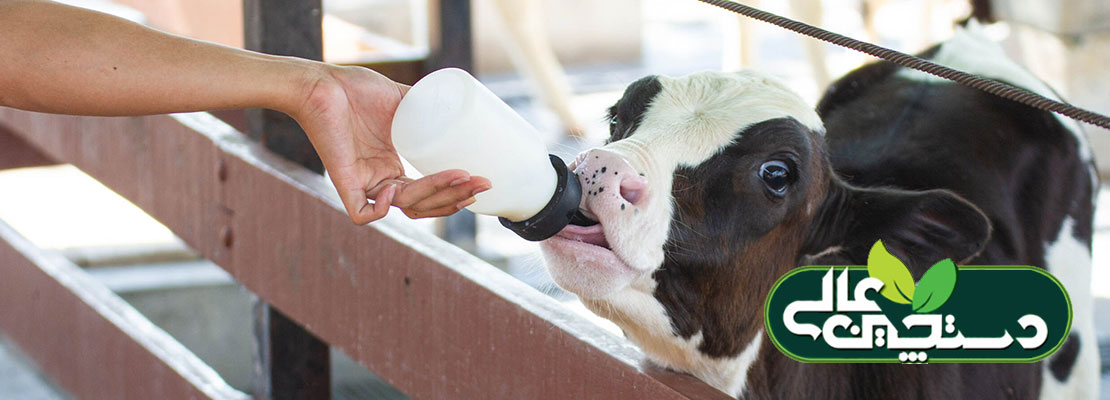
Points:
[(608, 180)]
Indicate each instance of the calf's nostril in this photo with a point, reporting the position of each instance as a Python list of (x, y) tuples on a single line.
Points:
[(631, 195), (632, 190)]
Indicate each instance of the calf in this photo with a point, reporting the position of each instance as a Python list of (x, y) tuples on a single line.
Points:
[(714, 185)]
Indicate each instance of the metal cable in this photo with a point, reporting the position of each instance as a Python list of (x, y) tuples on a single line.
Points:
[(987, 85)]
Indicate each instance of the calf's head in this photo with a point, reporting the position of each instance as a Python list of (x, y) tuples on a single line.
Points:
[(710, 187)]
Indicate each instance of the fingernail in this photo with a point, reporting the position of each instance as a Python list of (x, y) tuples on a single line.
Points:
[(392, 192), (479, 190), (459, 181), (464, 203)]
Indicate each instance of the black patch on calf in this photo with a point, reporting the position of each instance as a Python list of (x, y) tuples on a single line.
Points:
[(627, 114), (860, 82), (1064, 360), (707, 282), (919, 227), (1019, 165)]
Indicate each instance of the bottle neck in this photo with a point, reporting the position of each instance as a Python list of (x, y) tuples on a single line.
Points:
[(557, 213)]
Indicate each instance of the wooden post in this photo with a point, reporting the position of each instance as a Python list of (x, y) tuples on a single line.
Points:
[(451, 45), (287, 28), (290, 362)]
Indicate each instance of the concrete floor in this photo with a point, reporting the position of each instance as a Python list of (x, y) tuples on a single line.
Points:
[(19, 379)]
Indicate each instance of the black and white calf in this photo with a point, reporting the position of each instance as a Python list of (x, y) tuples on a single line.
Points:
[(714, 185)]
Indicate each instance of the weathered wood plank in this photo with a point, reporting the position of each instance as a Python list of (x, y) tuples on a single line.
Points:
[(15, 153), (87, 339), (429, 318)]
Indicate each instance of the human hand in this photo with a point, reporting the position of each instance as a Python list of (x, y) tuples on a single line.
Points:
[(347, 114)]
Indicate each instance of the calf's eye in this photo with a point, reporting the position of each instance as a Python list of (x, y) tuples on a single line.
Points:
[(775, 175), (613, 120)]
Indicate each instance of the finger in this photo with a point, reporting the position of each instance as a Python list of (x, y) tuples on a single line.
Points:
[(399, 182), (415, 191), (357, 207), (440, 212), (382, 202), (368, 212), (452, 195)]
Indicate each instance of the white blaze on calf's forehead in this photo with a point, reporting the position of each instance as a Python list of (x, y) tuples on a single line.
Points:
[(695, 116)]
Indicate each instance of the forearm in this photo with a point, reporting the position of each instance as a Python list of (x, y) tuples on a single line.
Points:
[(62, 59)]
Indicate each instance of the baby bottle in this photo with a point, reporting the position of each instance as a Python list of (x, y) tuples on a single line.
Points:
[(448, 120)]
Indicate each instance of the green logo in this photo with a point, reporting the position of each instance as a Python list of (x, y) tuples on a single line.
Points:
[(877, 313), (934, 289)]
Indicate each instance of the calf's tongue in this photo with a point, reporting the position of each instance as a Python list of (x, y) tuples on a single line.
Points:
[(593, 234)]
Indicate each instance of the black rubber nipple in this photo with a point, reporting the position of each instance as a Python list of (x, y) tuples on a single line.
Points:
[(558, 213)]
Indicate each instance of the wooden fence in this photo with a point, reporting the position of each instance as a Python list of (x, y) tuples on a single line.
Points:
[(430, 319)]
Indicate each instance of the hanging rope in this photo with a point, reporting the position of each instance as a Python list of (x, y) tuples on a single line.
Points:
[(987, 85)]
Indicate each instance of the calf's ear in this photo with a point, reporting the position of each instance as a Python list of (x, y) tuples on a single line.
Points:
[(918, 227)]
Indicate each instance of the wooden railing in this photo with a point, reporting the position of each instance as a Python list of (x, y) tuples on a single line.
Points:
[(429, 318)]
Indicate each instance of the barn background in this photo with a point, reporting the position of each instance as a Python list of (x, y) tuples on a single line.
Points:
[(601, 46)]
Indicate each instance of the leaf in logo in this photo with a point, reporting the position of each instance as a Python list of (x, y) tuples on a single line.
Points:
[(935, 287), (898, 284)]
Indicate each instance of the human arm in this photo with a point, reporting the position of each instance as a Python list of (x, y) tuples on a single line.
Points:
[(63, 59)]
